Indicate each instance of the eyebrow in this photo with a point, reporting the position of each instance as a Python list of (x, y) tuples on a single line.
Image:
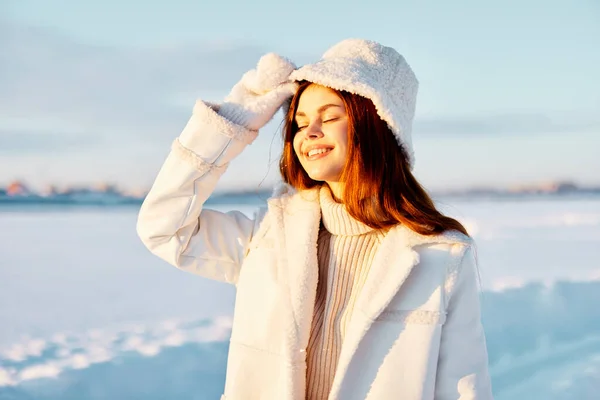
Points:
[(320, 109)]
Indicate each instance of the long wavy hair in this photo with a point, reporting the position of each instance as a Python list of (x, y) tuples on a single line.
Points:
[(379, 187)]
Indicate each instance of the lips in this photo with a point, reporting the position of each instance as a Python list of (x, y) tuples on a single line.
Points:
[(316, 152)]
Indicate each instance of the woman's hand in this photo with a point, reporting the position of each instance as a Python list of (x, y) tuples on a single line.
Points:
[(255, 99)]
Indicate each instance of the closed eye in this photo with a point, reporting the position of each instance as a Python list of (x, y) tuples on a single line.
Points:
[(301, 127)]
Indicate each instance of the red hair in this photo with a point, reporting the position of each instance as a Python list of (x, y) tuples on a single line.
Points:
[(379, 187)]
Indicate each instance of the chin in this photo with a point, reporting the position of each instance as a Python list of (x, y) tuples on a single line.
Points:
[(320, 177)]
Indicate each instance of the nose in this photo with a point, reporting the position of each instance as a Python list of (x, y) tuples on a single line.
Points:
[(313, 131)]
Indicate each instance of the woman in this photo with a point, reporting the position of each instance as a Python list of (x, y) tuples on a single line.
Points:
[(350, 284)]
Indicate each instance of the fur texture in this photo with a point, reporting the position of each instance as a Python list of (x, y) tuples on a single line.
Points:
[(374, 71), (221, 139), (416, 327), (255, 99)]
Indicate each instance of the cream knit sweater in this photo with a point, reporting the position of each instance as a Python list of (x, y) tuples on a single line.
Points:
[(346, 248)]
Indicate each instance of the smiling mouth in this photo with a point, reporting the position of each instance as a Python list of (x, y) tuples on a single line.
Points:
[(315, 154)]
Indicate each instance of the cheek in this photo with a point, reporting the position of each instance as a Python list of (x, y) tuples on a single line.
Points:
[(343, 137)]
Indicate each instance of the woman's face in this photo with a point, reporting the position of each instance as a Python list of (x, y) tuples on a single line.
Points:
[(321, 142)]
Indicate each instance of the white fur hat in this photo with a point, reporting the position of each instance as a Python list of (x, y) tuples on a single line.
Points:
[(376, 72)]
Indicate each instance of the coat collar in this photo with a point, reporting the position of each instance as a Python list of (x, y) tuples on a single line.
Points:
[(297, 217)]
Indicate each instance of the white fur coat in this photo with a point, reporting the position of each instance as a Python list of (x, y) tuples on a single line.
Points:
[(415, 333)]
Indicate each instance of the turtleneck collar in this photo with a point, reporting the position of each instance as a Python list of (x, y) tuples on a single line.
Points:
[(335, 217)]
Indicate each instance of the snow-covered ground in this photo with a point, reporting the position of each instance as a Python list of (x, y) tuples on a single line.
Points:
[(87, 313)]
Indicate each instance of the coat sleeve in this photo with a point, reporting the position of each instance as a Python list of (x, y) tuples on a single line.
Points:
[(172, 223), (463, 360)]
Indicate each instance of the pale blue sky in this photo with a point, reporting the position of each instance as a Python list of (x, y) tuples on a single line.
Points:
[(96, 90)]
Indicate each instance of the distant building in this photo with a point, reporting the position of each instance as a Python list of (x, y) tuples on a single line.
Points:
[(136, 193), (50, 191), (545, 188), (563, 187), (105, 188), (17, 188)]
